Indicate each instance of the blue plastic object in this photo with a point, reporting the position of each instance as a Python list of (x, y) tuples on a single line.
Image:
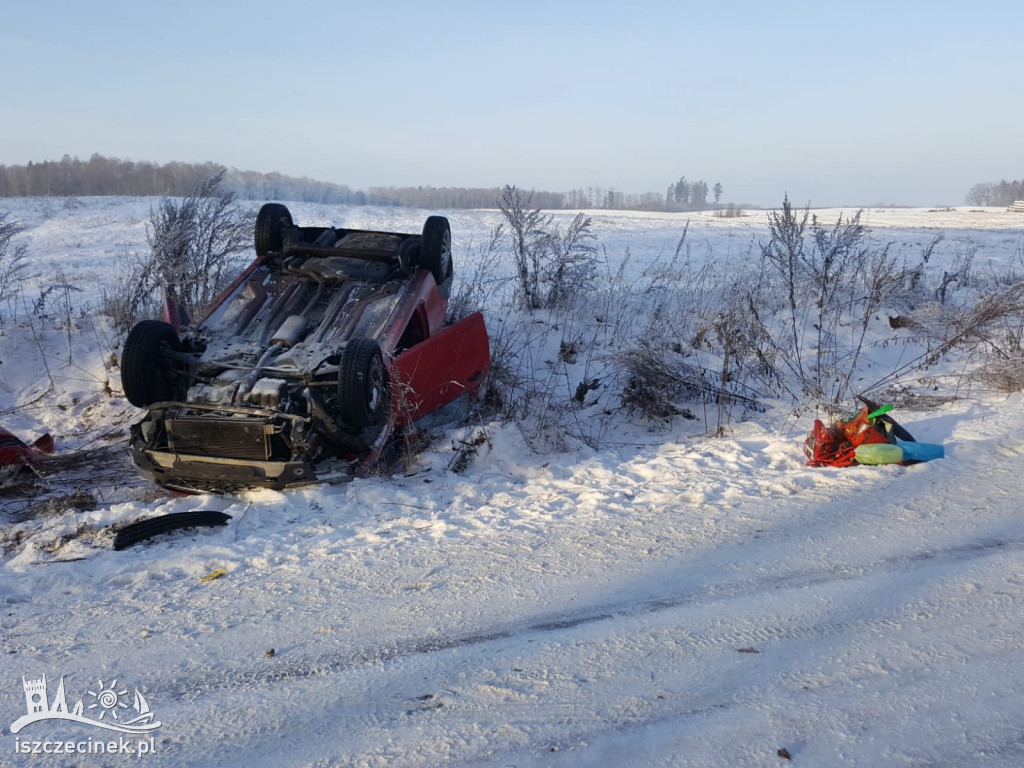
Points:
[(922, 451)]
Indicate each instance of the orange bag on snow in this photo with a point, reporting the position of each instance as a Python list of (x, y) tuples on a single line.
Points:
[(835, 446)]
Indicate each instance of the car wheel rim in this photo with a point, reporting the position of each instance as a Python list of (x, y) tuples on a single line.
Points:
[(375, 387), (446, 256)]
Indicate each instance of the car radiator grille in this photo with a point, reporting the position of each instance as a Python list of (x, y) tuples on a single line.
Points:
[(226, 438)]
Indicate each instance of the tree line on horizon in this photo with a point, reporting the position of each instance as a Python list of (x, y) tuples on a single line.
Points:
[(103, 176), (991, 193), (100, 176)]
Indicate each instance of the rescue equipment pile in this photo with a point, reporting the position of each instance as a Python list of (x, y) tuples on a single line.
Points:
[(871, 436)]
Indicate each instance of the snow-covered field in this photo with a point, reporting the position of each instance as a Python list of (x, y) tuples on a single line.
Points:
[(662, 599)]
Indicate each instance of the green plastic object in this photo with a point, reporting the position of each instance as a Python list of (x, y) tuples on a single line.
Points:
[(883, 410), (879, 453), (887, 453)]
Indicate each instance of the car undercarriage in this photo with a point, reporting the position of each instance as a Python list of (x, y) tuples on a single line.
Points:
[(309, 366)]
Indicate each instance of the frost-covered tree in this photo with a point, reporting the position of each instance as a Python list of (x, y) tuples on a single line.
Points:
[(193, 239), (551, 264), (682, 191), (698, 194)]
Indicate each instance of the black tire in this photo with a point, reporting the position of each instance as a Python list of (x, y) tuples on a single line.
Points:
[(148, 374), (436, 252), (271, 222), (364, 388)]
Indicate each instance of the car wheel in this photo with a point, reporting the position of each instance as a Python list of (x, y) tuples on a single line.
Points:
[(271, 222), (148, 374), (364, 389), (436, 252)]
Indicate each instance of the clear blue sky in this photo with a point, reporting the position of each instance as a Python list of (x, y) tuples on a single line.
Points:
[(857, 103)]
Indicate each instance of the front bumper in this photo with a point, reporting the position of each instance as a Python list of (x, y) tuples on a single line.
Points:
[(198, 448), (192, 474)]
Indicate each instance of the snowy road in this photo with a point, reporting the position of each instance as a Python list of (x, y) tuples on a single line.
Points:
[(705, 604)]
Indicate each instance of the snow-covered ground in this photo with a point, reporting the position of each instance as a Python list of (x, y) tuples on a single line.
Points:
[(662, 599)]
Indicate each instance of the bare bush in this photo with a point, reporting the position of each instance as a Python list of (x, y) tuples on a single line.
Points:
[(132, 296), (731, 211), (55, 303), (530, 233), (12, 259), (1003, 375), (571, 263), (546, 366), (654, 384), (989, 327), (522, 388), (799, 322), (958, 275), (995, 321), (474, 291), (827, 274), (192, 242), (551, 265)]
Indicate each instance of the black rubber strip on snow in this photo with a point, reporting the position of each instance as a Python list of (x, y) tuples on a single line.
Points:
[(147, 529)]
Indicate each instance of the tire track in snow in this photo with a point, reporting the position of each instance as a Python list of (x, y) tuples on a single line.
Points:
[(398, 673), (554, 625)]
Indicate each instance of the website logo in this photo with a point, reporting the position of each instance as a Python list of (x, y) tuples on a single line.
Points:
[(108, 706)]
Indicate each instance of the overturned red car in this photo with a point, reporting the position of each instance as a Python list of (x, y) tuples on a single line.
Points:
[(310, 366)]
